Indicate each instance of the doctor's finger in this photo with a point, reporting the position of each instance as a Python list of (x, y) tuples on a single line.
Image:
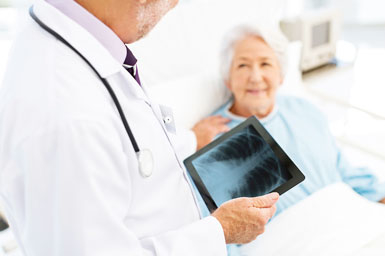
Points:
[(265, 201)]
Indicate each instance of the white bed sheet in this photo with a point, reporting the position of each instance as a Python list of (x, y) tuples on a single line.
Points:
[(332, 221), (374, 248)]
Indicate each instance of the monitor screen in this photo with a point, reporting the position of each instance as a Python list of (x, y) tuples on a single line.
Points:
[(243, 165), (321, 34)]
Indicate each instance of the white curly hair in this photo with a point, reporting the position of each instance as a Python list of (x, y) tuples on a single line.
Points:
[(272, 36)]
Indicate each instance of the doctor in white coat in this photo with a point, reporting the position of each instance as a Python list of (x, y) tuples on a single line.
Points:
[(87, 161)]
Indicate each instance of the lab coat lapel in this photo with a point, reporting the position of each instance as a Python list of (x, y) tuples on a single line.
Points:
[(132, 85), (153, 104)]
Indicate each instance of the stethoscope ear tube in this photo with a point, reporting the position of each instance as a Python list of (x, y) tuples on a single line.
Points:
[(144, 155)]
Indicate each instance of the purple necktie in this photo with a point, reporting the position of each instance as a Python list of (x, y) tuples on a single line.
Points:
[(130, 65)]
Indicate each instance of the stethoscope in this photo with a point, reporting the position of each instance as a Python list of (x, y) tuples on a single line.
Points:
[(144, 156)]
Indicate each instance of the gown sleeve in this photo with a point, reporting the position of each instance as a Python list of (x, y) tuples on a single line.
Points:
[(361, 179)]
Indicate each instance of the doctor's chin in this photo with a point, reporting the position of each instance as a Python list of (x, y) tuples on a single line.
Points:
[(192, 127)]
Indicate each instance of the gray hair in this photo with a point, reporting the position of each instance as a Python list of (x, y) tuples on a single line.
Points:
[(272, 36)]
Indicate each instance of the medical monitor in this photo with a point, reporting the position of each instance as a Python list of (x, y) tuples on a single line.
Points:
[(318, 31), (244, 162)]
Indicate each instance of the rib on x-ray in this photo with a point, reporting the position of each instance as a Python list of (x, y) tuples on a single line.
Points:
[(243, 165)]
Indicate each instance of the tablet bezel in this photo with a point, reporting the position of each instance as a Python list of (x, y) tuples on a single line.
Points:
[(296, 174)]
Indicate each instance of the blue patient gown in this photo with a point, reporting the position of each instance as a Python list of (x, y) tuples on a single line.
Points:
[(303, 133)]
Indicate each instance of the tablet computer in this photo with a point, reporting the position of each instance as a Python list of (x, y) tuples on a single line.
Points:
[(244, 162)]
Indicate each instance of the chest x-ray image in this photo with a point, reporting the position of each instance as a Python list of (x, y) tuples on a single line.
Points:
[(243, 165)]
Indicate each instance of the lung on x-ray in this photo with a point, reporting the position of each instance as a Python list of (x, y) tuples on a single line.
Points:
[(243, 165)]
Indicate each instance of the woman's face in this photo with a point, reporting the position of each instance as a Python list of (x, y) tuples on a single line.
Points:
[(255, 75)]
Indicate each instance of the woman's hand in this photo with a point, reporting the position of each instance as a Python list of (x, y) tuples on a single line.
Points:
[(206, 129)]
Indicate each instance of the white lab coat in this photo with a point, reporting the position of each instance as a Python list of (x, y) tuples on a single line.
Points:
[(69, 175)]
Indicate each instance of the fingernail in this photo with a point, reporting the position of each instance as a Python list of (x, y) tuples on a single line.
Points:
[(274, 196)]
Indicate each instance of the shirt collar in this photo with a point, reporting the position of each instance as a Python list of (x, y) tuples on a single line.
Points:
[(264, 120), (77, 36), (94, 26)]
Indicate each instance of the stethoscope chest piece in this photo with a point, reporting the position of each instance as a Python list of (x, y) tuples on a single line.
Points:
[(146, 162)]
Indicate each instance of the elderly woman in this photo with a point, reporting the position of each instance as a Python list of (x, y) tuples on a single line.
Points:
[(253, 65)]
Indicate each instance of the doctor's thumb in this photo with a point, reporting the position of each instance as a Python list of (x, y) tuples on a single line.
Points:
[(265, 201)]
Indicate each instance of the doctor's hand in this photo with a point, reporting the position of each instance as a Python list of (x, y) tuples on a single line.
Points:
[(243, 219), (206, 129)]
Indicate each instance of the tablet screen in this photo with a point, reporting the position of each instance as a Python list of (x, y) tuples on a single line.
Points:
[(242, 165)]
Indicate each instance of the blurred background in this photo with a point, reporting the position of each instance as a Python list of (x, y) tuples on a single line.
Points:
[(348, 85)]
